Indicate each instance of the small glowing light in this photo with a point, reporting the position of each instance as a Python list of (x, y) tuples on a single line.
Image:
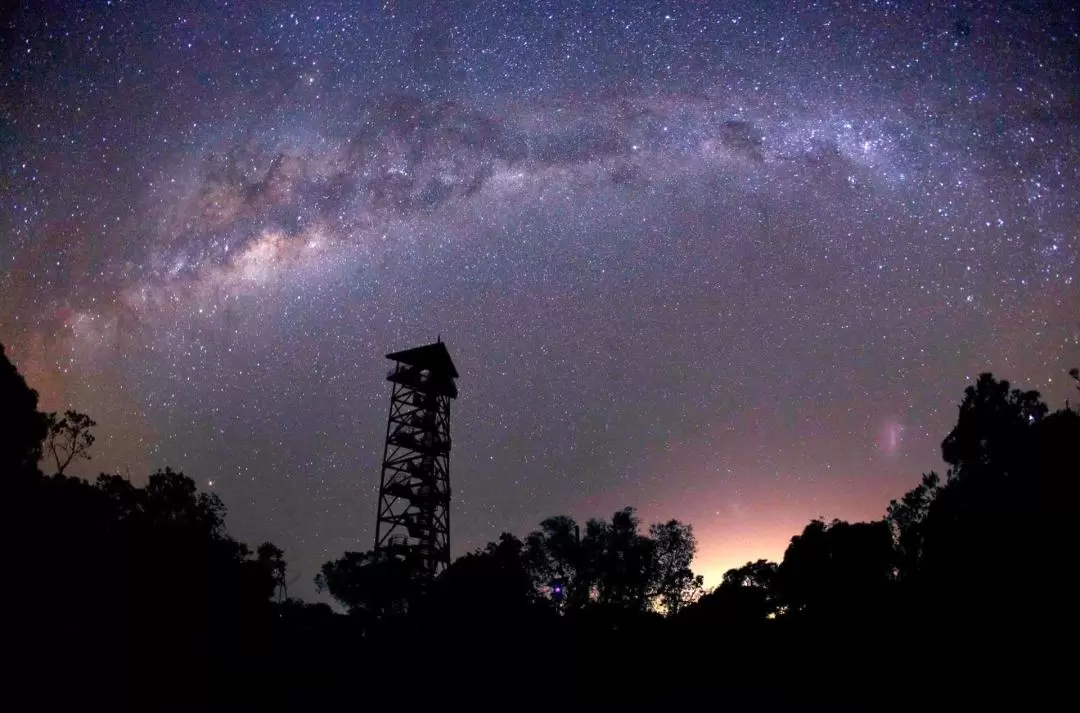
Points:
[(210, 483)]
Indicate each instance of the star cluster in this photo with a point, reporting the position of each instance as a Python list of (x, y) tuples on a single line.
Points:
[(731, 263)]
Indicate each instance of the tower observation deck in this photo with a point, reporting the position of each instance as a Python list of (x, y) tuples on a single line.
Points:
[(413, 521)]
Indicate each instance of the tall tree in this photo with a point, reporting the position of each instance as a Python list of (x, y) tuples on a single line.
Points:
[(556, 552), (626, 566), (906, 517), (676, 584), (837, 568), (272, 559), (1009, 491), (992, 424), (22, 426)]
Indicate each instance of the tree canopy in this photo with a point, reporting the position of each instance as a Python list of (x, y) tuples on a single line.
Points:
[(137, 593), (24, 427)]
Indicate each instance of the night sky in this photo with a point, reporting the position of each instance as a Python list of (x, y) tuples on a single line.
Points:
[(731, 263)]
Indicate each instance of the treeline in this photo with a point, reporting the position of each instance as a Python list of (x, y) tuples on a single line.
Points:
[(137, 596)]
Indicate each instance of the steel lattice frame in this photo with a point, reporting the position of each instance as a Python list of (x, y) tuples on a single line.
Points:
[(413, 520)]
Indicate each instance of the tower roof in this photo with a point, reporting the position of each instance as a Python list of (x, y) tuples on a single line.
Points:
[(433, 357)]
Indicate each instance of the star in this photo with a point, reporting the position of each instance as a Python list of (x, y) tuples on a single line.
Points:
[(731, 264)]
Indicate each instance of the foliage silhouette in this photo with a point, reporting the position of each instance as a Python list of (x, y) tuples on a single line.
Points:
[(832, 570), (272, 559), (69, 437), (369, 584), (748, 594), (625, 565), (116, 577), (136, 595), (613, 563), (905, 518), (23, 426), (676, 584)]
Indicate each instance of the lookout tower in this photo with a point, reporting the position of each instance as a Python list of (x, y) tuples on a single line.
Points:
[(413, 522)]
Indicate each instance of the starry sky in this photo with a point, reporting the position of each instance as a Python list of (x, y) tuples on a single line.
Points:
[(731, 262)]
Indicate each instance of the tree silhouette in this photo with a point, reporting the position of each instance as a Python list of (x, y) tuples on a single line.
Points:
[(23, 426), (836, 569), (171, 499), (1006, 497), (676, 584), (613, 563), (906, 517), (556, 552), (745, 599), (113, 576), (69, 437), (626, 562), (272, 559), (491, 583), (759, 575), (369, 583), (993, 421)]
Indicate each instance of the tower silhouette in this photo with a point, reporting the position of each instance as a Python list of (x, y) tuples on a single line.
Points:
[(413, 521)]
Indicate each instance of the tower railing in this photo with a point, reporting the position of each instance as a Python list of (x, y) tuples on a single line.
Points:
[(413, 519)]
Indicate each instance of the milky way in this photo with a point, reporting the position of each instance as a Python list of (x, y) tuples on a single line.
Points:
[(731, 263)]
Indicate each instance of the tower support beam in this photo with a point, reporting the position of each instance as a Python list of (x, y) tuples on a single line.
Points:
[(413, 517)]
